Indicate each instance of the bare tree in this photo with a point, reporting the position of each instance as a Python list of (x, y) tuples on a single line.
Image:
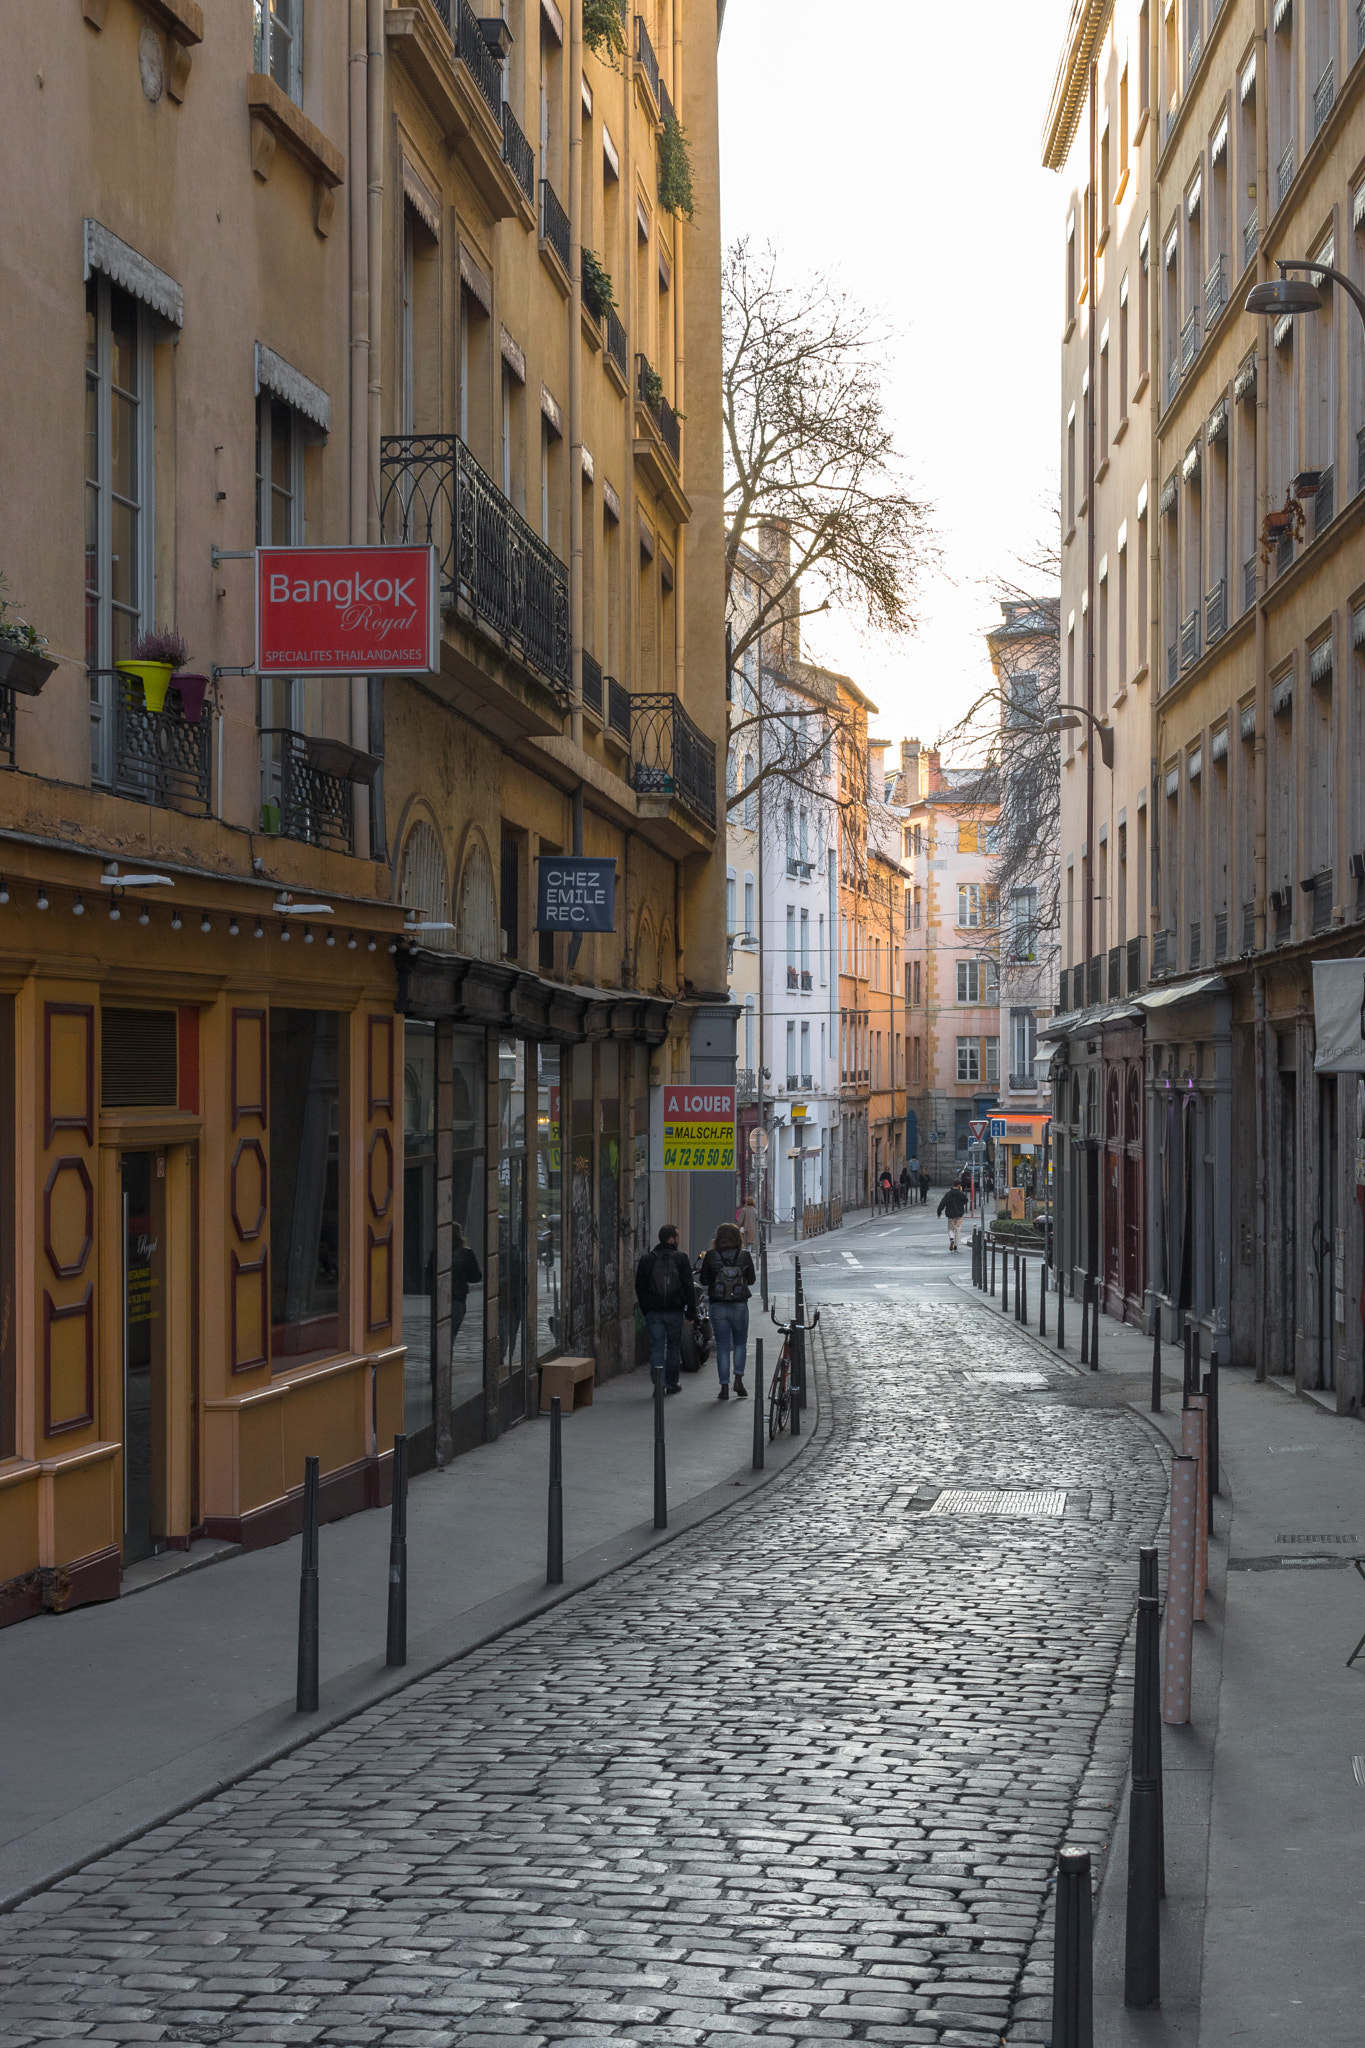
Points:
[(814, 485)]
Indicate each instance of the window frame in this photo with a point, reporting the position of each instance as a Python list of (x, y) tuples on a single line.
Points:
[(968, 1061), (268, 16), (101, 646)]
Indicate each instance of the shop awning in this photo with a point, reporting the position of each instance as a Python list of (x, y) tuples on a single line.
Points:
[(1079, 1023), (1186, 992), (1022, 1127), (1339, 1016)]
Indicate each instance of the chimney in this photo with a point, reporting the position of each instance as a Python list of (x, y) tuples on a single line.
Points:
[(775, 545), (933, 772)]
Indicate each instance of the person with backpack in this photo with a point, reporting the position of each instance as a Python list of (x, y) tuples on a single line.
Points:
[(954, 1207), (905, 1187), (886, 1185), (667, 1296), (727, 1274)]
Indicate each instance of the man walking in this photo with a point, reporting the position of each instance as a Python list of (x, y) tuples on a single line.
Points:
[(667, 1296), (954, 1207), (727, 1274), (923, 1189), (905, 1187)]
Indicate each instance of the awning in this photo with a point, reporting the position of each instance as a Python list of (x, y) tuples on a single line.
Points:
[(134, 272), (279, 377), (1339, 1016), (1081, 1023), (1186, 992)]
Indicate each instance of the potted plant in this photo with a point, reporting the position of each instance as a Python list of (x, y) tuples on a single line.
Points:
[(23, 665), (154, 659), (598, 296), (675, 167), (192, 687)]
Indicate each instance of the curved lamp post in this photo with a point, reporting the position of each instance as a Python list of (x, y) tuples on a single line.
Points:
[(1070, 721), (1299, 295)]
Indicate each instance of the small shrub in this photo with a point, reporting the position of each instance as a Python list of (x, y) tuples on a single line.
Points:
[(604, 30), (598, 296), (675, 168)]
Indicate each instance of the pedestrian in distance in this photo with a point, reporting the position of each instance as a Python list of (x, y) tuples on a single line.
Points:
[(905, 1187), (465, 1272), (667, 1296), (954, 1207), (727, 1274), (923, 1189), (886, 1185), (746, 1216)]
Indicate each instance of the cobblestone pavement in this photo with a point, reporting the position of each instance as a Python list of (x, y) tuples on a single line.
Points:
[(799, 1777)]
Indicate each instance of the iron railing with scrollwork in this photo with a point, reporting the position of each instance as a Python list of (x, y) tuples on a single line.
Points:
[(670, 754), (1189, 640), (1248, 584), (313, 805), (1216, 611), (616, 341), (554, 222), (644, 51), (649, 392), (160, 757), (618, 708), (1250, 240), (1284, 174), (665, 103), (1324, 92), (492, 564), (1189, 339), (473, 51), (7, 727), (517, 153), (1215, 290), (592, 684)]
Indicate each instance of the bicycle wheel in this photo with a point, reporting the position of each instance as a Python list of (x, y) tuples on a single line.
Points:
[(779, 1398)]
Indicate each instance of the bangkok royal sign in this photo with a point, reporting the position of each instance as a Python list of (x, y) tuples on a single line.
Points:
[(347, 611)]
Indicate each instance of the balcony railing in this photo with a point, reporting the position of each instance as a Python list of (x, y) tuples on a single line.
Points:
[(649, 392), (807, 1082), (473, 51), (1216, 612), (592, 683), (618, 708), (1321, 891), (792, 982), (434, 493), (1189, 640), (1250, 238), (616, 342), (517, 152), (1134, 980), (1324, 502), (1248, 584), (746, 1084), (793, 1080), (310, 802), (644, 51), (1189, 339), (670, 754), (554, 222), (799, 870), (1161, 950), (1324, 92), (1064, 989), (1215, 291), (1172, 665), (160, 757), (1220, 935), (1196, 946), (1196, 49), (1284, 174), (1094, 992), (805, 982), (1284, 554), (1172, 380)]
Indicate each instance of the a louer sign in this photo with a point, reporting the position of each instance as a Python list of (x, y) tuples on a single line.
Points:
[(347, 611)]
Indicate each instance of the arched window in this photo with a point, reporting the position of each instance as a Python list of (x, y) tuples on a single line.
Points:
[(477, 916), (422, 883)]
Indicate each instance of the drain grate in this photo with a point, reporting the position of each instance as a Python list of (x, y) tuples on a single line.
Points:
[(961, 1501)]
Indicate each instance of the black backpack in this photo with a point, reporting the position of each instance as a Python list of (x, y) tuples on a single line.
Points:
[(667, 1281), (728, 1283)]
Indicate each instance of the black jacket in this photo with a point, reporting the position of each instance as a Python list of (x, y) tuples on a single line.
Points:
[(652, 1267), (953, 1205), (711, 1266)]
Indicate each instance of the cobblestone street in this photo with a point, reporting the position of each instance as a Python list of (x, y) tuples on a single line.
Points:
[(801, 1776)]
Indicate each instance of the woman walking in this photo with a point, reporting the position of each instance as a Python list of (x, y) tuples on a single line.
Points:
[(727, 1274)]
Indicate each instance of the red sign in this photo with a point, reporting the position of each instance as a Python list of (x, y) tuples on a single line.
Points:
[(347, 611), (699, 1104)]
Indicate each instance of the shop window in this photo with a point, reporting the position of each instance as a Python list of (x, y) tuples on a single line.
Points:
[(509, 895), (512, 1249), (419, 1225), (549, 1209), (305, 1109), (468, 1240)]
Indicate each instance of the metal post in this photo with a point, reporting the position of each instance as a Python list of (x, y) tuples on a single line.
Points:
[(660, 1467), (1149, 1588), (1156, 1353), (1175, 1710), (1096, 1289), (1022, 1295), (798, 1387), (306, 1700), (1042, 1297), (760, 1431), (762, 1254), (1061, 1312), (1211, 1390), (1085, 1320), (554, 1543), (397, 1648), (992, 1243), (1005, 1281), (1073, 2024)]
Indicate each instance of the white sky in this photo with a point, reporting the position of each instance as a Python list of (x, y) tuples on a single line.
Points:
[(895, 145)]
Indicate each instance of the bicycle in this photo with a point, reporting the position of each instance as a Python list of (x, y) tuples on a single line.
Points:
[(780, 1388)]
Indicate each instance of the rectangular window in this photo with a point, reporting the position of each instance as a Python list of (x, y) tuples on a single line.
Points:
[(279, 44), (1144, 303), (977, 981), (750, 923), (791, 937), (917, 982), (917, 1059), (468, 1210), (791, 1055), (993, 1062), (805, 1056), (805, 942), (305, 1133), (968, 838), (118, 498), (731, 903), (1023, 1045), (969, 1059), (821, 950)]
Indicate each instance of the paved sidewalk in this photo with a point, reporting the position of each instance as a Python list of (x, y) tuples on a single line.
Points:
[(1263, 1810), (158, 1699)]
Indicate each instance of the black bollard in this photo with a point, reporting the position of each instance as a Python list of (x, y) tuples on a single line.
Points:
[(1156, 1356), (1142, 1954), (992, 1268), (1061, 1312), (1022, 1296), (798, 1377), (554, 1540), (1096, 1289), (1042, 1297), (1149, 1588), (660, 1465), (976, 1258), (1211, 1389), (760, 1420), (763, 1267), (1005, 1281), (397, 1648), (1073, 2018), (306, 1701), (1085, 1320)]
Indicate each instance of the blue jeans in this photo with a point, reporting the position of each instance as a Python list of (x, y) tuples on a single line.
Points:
[(665, 1344), (730, 1328)]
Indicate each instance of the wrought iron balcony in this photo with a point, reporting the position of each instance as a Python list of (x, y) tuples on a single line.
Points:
[(7, 727), (1284, 554), (649, 393), (671, 755), (1324, 501), (616, 342), (1161, 951), (1196, 47), (471, 47), (517, 152), (1189, 640), (645, 57), (791, 983), (1215, 291), (746, 1084), (1064, 989), (1284, 174), (592, 684), (1324, 92), (1094, 980), (492, 565), (807, 1082), (310, 791), (554, 222), (1115, 973), (793, 1084), (1248, 584), (805, 981), (1250, 239), (618, 708), (1172, 665), (160, 757), (1216, 612), (1189, 339), (1220, 935), (665, 102), (1172, 380)]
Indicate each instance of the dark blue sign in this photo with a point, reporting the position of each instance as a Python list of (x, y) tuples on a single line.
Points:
[(576, 895)]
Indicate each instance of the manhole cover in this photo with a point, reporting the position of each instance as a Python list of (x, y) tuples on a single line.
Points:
[(960, 1501), (1034, 1381)]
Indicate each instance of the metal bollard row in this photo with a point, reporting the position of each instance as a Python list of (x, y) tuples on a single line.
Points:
[(1073, 1998)]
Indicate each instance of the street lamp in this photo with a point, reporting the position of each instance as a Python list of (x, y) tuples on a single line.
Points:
[(1295, 295), (1070, 721)]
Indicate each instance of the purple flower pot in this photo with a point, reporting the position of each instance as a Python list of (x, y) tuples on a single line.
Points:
[(192, 688)]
